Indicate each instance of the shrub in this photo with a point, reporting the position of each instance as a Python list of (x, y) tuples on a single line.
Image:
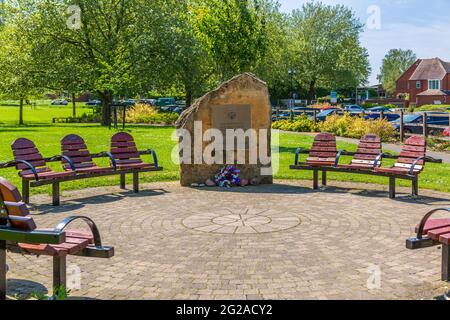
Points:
[(356, 127), (300, 124), (143, 113)]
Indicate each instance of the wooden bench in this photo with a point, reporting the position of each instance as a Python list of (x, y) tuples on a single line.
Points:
[(78, 163), (19, 234), (367, 160), (434, 232)]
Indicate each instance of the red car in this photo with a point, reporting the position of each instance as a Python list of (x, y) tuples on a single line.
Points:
[(447, 132)]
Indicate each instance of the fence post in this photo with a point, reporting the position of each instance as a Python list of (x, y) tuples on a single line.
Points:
[(278, 113), (402, 131), (382, 115), (425, 129), (315, 118)]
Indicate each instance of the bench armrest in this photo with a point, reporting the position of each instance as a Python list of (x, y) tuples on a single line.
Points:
[(155, 157), (378, 160), (31, 167), (63, 225), (338, 157), (70, 162), (411, 171), (113, 159), (297, 155), (426, 218)]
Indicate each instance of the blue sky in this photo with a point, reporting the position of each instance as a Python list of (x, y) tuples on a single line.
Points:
[(420, 25)]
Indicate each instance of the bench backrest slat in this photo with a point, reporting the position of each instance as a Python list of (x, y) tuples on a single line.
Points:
[(74, 147), (414, 148), (16, 210), (323, 150), (124, 149), (24, 149), (369, 148)]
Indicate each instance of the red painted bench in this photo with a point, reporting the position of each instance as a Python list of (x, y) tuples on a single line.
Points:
[(433, 232), (366, 160), (78, 163), (127, 158), (19, 234)]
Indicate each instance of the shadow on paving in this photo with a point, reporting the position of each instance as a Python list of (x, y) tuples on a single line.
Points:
[(289, 189), (78, 203)]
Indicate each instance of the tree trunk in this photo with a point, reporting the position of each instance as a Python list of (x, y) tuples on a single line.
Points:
[(74, 105), (21, 111), (188, 97), (312, 90), (106, 107)]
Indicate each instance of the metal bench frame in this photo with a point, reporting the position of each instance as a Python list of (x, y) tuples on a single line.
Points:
[(420, 241), (26, 184)]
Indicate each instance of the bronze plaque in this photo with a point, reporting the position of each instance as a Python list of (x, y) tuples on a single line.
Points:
[(231, 117)]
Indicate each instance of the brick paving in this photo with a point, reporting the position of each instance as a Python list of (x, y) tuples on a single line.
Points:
[(269, 242)]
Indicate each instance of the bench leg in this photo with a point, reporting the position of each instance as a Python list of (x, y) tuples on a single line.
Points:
[(415, 187), (59, 272), (26, 191), (324, 178), (392, 188), (315, 179), (445, 263), (122, 181), (136, 182), (55, 194), (2, 270)]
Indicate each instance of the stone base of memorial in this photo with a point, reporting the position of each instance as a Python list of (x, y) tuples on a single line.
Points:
[(241, 103)]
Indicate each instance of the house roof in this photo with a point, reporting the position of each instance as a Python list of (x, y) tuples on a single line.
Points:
[(434, 93), (431, 69)]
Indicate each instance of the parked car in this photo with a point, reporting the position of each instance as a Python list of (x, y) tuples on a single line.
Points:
[(60, 102), (379, 109), (447, 132), (94, 103), (164, 102), (150, 102), (413, 123), (353, 108), (325, 114)]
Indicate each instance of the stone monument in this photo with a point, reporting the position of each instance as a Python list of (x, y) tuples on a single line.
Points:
[(240, 111)]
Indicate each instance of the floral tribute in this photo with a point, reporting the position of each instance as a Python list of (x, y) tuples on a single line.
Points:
[(228, 177)]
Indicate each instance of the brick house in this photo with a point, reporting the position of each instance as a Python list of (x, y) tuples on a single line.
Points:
[(427, 81)]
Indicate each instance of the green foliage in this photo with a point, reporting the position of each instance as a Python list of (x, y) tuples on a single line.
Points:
[(300, 124), (325, 47), (59, 293), (438, 144), (434, 107), (395, 63), (142, 113), (356, 127)]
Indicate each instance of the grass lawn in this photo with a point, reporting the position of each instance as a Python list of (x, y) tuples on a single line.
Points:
[(47, 137), (41, 114)]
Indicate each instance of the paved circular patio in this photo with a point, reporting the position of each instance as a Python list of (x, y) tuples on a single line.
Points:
[(272, 242)]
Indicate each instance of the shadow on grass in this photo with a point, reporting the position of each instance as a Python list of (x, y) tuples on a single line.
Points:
[(79, 203)]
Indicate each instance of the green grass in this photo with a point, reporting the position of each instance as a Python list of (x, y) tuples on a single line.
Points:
[(47, 137), (41, 114)]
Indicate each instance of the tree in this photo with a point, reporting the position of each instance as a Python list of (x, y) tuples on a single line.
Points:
[(180, 58), (235, 33), (17, 80), (395, 63), (325, 47), (93, 43)]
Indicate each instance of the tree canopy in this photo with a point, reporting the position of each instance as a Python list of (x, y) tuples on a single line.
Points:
[(128, 48), (395, 63)]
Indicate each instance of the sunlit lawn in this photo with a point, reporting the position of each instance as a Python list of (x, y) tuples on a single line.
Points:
[(47, 137)]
